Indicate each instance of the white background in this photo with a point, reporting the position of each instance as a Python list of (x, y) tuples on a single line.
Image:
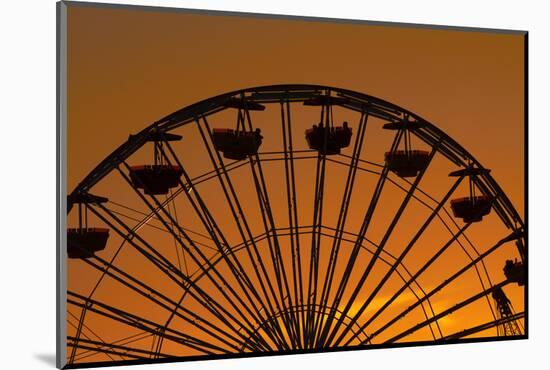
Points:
[(27, 182)]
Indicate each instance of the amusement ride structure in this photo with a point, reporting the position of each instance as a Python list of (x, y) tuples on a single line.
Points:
[(229, 227)]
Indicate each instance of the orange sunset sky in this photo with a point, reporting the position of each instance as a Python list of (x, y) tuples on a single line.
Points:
[(129, 67)]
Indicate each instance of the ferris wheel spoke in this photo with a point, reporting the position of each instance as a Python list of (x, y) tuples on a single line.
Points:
[(170, 224), (425, 311), (204, 214), (163, 301), (382, 244), (124, 353), (127, 340), (274, 248), (448, 228), (197, 275), (116, 349), (447, 281), (478, 272), (175, 275), (141, 323), (423, 293), (218, 258), (250, 246), (273, 240), (390, 264), (314, 250), (141, 223), (127, 318), (78, 333), (82, 334), (223, 246), (339, 231), (292, 206), (318, 201), (186, 248), (275, 333), (448, 311), (131, 218), (357, 245), (412, 279), (401, 187), (483, 327)]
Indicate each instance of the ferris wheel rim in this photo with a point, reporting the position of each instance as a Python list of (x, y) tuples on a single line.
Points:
[(190, 112)]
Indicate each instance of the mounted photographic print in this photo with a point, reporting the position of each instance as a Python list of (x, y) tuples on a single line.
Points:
[(235, 184)]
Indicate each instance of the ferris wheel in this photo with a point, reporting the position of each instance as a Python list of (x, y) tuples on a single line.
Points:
[(289, 218)]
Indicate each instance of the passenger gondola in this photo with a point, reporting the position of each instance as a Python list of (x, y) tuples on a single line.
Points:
[(328, 140), (84, 241), (473, 207), (515, 272), (236, 145), (157, 178), (408, 162)]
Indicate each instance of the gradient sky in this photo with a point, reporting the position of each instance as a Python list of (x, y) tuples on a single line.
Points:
[(128, 68)]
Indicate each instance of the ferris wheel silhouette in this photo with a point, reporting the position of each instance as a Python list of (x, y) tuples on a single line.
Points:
[(206, 237)]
